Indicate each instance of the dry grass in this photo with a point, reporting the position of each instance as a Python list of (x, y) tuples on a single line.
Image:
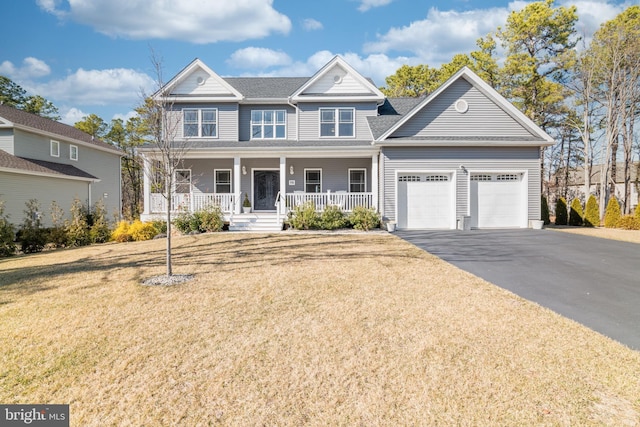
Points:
[(632, 236), (299, 329)]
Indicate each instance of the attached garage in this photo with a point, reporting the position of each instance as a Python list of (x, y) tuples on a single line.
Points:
[(425, 200), (498, 200)]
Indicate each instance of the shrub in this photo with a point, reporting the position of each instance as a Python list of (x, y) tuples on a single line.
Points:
[(78, 227), (332, 218), (99, 231), (364, 219), (32, 236), (182, 221), (211, 219), (637, 211), (629, 222), (57, 233), (160, 226), (7, 234), (592, 213), (305, 217), (142, 230), (576, 213), (561, 211), (612, 215), (545, 211), (121, 233)]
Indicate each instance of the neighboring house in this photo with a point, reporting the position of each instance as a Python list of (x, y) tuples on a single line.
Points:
[(49, 161), (335, 139)]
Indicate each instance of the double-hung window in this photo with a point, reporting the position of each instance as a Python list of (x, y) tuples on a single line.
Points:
[(200, 122), (183, 181), (337, 122), (357, 180), (313, 180), (223, 181), (73, 152), (268, 124), (55, 148)]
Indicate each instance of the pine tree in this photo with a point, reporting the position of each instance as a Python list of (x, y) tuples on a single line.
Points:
[(545, 211), (561, 211), (576, 214), (612, 214), (592, 214)]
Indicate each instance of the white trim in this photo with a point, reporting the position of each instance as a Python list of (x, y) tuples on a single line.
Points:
[(349, 178), (304, 180), (71, 147), (54, 143)]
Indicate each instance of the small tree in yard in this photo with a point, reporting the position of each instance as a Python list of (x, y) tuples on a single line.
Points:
[(575, 213), (32, 236), (613, 213), (7, 234), (545, 211), (77, 227), (592, 212), (561, 211)]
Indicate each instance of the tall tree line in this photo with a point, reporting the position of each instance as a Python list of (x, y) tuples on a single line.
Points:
[(586, 96)]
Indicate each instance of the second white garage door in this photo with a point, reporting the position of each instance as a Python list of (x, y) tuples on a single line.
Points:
[(496, 200), (425, 200)]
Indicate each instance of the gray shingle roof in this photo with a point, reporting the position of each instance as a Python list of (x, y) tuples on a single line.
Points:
[(275, 144), (266, 87), (390, 113), (10, 161), (47, 125)]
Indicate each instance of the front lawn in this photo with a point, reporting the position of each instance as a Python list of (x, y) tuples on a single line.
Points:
[(296, 329)]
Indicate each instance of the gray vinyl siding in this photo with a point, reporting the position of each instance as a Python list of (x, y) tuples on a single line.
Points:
[(484, 118), (38, 147), (450, 159), (227, 120), (17, 189), (6, 140), (203, 172), (245, 119), (309, 120), (335, 172)]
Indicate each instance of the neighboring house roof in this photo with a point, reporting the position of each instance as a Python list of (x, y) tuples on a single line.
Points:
[(576, 176), (12, 117), (11, 163)]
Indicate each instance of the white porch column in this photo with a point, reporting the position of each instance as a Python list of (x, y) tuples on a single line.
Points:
[(236, 184), (375, 180), (146, 185), (283, 180)]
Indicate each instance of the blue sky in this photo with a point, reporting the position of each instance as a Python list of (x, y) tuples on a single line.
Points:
[(93, 56)]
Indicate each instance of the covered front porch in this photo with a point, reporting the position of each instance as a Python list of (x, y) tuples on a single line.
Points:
[(271, 185)]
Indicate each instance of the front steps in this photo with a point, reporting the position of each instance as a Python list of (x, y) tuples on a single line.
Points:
[(258, 222)]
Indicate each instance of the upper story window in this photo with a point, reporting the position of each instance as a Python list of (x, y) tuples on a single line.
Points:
[(55, 148), (268, 124), (200, 122), (73, 152), (337, 122)]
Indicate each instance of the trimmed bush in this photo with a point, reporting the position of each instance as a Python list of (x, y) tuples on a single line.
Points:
[(32, 236), (561, 211), (7, 234), (576, 213), (364, 219), (78, 227), (121, 233), (140, 231), (305, 217), (208, 219), (544, 207), (612, 215), (592, 212), (629, 222), (182, 222), (332, 218)]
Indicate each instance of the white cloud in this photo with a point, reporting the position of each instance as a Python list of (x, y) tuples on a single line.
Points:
[(311, 24), (72, 116), (591, 14), (369, 4), (258, 57), (97, 87), (31, 68), (197, 21)]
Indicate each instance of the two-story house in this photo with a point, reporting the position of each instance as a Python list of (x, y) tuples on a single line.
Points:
[(49, 161), (335, 139)]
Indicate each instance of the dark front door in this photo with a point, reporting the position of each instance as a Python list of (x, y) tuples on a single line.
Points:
[(266, 185)]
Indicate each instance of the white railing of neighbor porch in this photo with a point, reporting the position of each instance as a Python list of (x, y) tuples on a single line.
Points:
[(193, 202), (345, 201)]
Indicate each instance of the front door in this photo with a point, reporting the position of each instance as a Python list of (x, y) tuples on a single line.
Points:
[(266, 185)]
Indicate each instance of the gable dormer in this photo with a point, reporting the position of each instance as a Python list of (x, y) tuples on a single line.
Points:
[(198, 82), (338, 81)]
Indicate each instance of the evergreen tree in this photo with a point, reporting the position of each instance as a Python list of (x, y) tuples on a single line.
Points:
[(613, 213), (576, 214), (592, 214), (545, 211), (561, 211)]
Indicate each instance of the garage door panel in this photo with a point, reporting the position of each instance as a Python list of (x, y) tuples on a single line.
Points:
[(425, 202), (496, 201)]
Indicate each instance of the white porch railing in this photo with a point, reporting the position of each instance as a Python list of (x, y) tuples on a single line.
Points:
[(193, 202), (343, 200)]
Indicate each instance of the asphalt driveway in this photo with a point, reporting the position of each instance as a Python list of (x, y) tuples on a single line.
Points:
[(591, 280)]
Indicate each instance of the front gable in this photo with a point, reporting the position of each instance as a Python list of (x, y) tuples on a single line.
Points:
[(197, 82), (338, 81)]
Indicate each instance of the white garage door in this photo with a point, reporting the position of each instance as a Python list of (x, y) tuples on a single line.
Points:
[(496, 200), (424, 200)]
